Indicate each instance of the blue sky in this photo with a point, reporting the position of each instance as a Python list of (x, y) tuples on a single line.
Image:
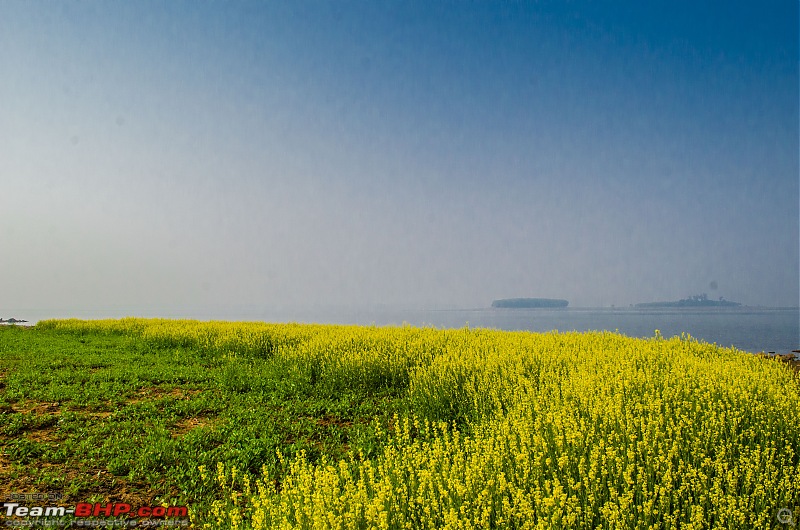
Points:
[(421, 154)]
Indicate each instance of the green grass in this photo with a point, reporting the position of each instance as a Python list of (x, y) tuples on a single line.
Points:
[(103, 416)]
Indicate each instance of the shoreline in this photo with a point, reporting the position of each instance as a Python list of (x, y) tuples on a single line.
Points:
[(790, 359)]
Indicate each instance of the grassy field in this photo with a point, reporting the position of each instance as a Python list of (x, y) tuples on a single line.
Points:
[(305, 426)]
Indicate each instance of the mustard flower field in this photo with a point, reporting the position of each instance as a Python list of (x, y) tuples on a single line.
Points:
[(417, 428)]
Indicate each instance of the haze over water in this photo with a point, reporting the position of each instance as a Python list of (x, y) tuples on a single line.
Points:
[(422, 155)]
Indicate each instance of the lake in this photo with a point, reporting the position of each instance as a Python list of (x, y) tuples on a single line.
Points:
[(752, 330), (748, 329)]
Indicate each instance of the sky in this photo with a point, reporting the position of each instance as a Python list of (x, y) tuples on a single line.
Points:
[(411, 154)]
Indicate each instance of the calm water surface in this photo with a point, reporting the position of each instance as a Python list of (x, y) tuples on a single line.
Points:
[(751, 330), (748, 329)]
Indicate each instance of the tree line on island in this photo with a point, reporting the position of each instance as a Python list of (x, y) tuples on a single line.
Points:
[(526, 303), (698, 300)]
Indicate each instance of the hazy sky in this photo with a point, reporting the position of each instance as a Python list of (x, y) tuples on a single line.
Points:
[(427, 154)]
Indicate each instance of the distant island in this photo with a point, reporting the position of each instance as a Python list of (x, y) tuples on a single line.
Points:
[(698, 300), (528, 303)]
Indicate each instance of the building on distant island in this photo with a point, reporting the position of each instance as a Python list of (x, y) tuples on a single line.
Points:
[(529, 303), (698, 300)]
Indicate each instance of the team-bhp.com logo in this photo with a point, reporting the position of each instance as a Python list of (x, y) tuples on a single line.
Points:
[(85, 509), (87, 514)]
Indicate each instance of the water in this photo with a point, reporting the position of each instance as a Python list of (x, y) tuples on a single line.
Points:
[(753, 330), (748, 329)]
